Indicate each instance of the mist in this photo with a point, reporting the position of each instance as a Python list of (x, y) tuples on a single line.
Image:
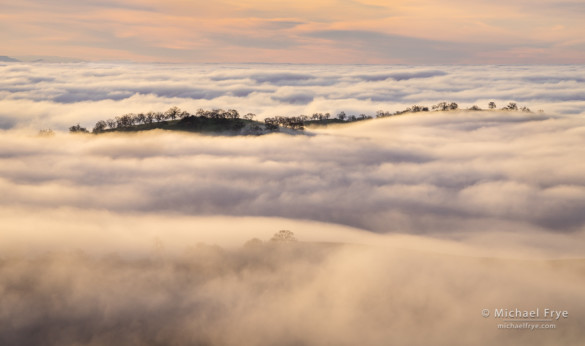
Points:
[(38, 96), (407, 226), (442, 174)]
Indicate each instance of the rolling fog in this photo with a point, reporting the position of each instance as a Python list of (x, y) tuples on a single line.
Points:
[(408, 226), (38, 96), (140, 239)]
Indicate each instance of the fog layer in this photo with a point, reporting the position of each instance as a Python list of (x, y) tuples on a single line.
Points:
[(410, 226), (437, 173), (60, 95), (303, 294)]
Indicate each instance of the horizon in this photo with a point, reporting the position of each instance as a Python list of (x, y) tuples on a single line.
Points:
[(75, 60)]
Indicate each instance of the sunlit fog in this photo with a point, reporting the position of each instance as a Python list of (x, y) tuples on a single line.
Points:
[(406, 227)]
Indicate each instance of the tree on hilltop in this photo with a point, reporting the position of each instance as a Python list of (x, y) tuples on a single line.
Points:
[(78, 129), (100, 126)]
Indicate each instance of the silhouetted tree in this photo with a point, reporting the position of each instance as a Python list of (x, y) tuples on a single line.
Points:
[(382, 114), (441, 106), (492, 105), (111, 123), (512, 106), (341, 116), (172, 113), (159, 116), (232, 114), (100, 126), (140, 118), (78, 129), (271, 124), (125, 120), (250, 116)]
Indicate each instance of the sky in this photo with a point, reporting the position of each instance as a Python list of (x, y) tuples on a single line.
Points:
[(316, 31)]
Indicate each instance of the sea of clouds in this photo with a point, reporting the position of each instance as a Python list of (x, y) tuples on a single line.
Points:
[(409, 225), (59, 95)]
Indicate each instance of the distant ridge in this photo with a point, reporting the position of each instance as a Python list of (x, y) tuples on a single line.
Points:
[(44, 59), (5, 58)]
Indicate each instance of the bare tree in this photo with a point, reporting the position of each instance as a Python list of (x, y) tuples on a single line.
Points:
[(512, 106), (78, 129), (441, 106), (232, 114), (172, 113), (492, 105), (100, 126), (159, 116), (125, 120), (271, 124), (249, 116), (149, 118), (111, 123), (140, 118)]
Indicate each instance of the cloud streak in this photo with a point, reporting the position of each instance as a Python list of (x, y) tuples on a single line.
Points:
[(319, 31)]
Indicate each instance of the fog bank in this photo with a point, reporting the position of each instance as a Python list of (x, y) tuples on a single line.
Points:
[(287, 294), (437, 173), (38, 96), (409, 227)]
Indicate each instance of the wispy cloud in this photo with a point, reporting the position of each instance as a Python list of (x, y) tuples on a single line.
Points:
[(59, 95), (257, 31)]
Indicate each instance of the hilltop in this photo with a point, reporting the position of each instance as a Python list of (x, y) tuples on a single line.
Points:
[(221, 122)]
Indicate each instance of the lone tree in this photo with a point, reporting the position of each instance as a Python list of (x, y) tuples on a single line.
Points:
[(492, 105), (285, 236)]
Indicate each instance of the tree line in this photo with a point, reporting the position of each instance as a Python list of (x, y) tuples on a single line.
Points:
[(270, 123)]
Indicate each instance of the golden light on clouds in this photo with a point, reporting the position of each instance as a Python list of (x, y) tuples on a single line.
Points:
[(321, 31)]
